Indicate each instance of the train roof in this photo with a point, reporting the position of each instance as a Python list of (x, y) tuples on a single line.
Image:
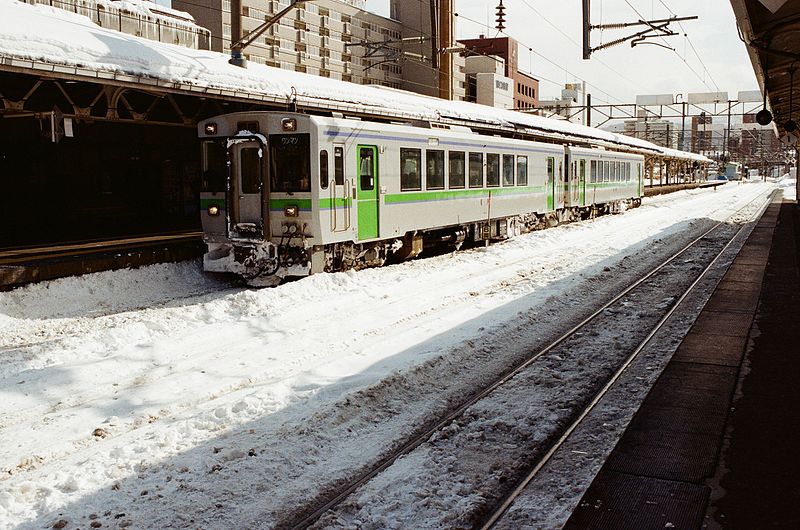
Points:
[(72, 44)]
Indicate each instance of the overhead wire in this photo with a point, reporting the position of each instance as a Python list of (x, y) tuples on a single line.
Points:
[(530, 49), (691, 44), (576, 43), (701, 78)]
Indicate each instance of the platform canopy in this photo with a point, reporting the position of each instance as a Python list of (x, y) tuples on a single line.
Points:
[(771, 30)]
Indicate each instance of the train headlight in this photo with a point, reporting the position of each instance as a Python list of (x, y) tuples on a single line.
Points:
[(213, 210), (291, 210), (289, 124), (211, 129)]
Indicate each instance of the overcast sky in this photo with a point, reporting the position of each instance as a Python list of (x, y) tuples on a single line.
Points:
[(552, 30)]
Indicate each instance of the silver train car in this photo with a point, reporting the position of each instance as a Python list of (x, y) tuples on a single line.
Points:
[(288, 194)]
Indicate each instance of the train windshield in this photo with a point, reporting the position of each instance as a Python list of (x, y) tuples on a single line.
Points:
[(289, 162), (215, 166)]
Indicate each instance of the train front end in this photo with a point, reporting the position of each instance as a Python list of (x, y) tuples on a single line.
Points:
[(256, 203)]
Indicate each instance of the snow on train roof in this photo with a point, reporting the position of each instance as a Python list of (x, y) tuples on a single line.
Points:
[(58, 38)]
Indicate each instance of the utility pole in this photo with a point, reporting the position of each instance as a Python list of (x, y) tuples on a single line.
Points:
[(589, 110), (445, 42), (236, 34)]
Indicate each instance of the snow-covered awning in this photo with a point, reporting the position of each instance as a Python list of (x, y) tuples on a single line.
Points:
[(68, 43)]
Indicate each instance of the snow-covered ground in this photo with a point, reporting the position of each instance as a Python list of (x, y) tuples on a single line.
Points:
[(163, 397)]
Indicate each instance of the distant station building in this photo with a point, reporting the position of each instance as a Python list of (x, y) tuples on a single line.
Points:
[(524, 87), (567, 106), (141, 18)]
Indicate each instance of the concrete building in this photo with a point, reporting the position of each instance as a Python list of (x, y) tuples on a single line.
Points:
[(525, 87), (486, 82), (660, 132), (421, 73), (323, 37), (567, 106)]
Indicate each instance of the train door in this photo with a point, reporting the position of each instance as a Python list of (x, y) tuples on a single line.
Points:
[(341, 201), (367, 191), (582, 182), (639, 174), (566, 181), (246, 216), (551, 182)]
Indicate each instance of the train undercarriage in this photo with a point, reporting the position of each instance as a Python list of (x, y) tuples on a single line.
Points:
[(266, 263)]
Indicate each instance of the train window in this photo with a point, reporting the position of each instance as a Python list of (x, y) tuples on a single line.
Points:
[(434, 174), (629, 171), (289, 160), (593, 171), (615, 171), (338, 166), (366, 163), (410, 169), (508, 170), (522, 170), (583, 170), (456, 169), (215, 166), (323, 169), (250, 170), (492, 170), (476, 170), (606, 171), (551, 168)]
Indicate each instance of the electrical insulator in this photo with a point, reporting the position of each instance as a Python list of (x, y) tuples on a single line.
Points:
[(501, 17)]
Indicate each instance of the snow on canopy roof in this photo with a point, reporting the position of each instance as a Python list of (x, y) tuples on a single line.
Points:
[(63, 39)]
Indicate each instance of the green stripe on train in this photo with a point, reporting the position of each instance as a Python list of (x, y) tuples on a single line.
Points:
[(480, 193), (205, 203)]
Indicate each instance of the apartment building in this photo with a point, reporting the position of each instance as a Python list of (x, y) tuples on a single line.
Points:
[(323, 37)]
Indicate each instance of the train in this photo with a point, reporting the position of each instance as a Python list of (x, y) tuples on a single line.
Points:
[(288, 194)]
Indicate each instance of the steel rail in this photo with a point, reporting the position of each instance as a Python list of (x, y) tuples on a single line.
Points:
[(419, 439), (509, 500)]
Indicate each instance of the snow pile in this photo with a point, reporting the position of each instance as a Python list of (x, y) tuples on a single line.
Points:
[(789, 187), (107, 292)]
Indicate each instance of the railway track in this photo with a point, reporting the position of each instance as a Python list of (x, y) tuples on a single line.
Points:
[(668, 283)]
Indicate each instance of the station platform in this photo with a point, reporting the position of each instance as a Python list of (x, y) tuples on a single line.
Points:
[(716, 443), (21, 266)]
